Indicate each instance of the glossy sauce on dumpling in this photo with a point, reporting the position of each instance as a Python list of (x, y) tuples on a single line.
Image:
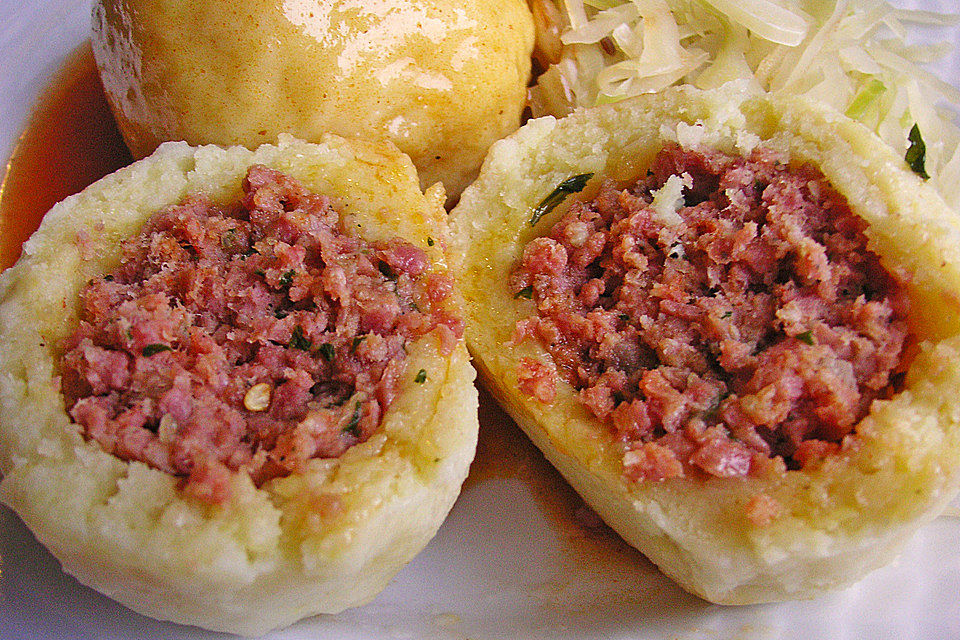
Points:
[(440, 79)]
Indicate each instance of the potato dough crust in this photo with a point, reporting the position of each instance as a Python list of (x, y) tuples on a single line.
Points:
[(441, 79), (314, 542), (734, 540)]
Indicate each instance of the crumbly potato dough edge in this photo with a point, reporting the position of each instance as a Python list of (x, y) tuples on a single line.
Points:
[(838, 520), (316, 542)]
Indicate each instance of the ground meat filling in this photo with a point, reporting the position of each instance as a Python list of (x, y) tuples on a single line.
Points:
[(248, 338), (720, 313)]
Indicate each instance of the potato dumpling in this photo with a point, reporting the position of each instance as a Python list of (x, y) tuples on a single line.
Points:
[(265, 553), (440, 79), (781, 531)]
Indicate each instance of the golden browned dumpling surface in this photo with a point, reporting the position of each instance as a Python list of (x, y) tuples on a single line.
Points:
[(442, 79)]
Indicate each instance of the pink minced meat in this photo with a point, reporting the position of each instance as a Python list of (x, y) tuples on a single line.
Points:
[(756, 326), (211, 301)]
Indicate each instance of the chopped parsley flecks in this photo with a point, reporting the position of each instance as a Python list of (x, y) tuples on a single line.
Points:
[(574, 184), (916, 155), (387, 270), (526, 292), (152, 349), (327, 351), (353, 426), (298, 340)]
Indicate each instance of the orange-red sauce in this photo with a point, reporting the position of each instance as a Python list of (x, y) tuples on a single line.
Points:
[(69, 142)]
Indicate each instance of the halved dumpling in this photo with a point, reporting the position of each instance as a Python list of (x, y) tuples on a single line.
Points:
[(249, 541), (700, 497)]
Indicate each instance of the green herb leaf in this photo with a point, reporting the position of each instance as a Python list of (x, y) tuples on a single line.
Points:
[(806, 337), (573, 184), (152, 349), (357, 341), (287, 279), (526, 292), (387, 270), (421, 376), (916, 155), (726, 314), (327, 351), (353, 427), (299, 341), (429, 241)]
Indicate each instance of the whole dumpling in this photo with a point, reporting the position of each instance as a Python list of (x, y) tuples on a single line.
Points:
[(440, 79), (670, 462), (213, 547)]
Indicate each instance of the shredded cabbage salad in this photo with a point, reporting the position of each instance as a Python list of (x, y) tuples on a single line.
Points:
[(855, 55)]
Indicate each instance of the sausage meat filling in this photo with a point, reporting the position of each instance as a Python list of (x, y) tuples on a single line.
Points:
[(248, 338), (721, 314)]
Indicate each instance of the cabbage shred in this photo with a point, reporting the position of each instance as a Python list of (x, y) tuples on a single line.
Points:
[(854, 55)]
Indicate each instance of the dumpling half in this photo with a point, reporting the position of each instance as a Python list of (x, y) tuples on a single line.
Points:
[(234, 390), (732, 322)]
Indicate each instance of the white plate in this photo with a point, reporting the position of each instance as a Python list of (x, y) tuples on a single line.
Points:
[(514, 559)]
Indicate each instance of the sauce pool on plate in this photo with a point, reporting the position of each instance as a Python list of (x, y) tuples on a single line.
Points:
[(69, 142)]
